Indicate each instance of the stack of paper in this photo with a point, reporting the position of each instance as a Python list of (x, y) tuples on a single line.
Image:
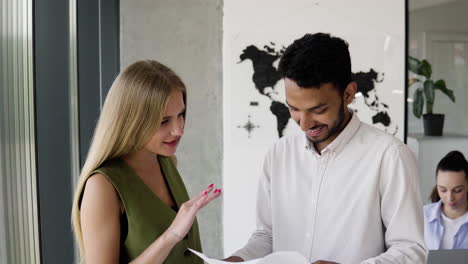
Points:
[(280, 257)]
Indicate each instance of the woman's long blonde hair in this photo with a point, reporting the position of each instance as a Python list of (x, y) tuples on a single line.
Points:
[(132, 111)]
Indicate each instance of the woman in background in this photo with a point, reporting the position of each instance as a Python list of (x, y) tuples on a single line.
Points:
[(131, 204), (446, 219)]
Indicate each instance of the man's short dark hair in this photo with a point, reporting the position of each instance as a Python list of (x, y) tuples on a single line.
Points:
[(316, 59)]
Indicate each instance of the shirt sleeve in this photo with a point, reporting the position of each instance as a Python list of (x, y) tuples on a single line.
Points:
[(401, 208), (260, 242)]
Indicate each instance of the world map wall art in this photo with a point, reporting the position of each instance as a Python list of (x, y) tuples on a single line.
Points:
[(255, 113)]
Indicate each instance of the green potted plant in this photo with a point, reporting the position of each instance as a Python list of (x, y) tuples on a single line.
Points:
[(425, 95)]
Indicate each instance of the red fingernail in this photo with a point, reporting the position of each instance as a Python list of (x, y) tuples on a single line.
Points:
[(217, 191), (205, 192), (211, 185)]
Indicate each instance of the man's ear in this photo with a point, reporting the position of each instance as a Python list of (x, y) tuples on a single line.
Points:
[(350, 92)]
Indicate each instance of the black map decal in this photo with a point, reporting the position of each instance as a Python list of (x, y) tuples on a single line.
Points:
[(282, 115), (265, 77)]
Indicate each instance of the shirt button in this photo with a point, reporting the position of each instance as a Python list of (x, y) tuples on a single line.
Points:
[(187, 253)]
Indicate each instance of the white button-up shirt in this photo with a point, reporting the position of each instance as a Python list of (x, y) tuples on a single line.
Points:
[(356, 202)]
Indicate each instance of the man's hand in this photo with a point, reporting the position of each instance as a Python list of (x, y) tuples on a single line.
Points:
[(324, 262)]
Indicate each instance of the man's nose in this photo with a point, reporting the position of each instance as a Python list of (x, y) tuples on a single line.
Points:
[(306, 121)]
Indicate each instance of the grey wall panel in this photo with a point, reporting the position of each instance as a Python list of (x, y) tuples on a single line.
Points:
[(53, 129), (109, 43), (98, 61), (19, 232), (89, 79)]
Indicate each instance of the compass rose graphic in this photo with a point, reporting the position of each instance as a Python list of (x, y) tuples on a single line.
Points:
[(249, 126)]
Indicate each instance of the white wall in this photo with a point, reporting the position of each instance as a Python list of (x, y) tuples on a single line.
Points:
[(429, 151), (448, 18), (375, 31)]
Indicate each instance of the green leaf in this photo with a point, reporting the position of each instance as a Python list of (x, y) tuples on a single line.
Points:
[(440, 85), (429, 93), (418, 103), (425, 69), (413, 65)]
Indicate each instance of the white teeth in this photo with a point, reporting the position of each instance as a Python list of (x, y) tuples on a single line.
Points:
[(314, 130)]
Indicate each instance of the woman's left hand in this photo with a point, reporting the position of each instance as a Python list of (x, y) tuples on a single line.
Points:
[(188, 210)]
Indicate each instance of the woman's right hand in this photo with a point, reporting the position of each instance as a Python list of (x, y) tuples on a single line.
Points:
[(187, 211)]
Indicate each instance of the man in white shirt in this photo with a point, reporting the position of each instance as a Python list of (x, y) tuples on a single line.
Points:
[(342, 191)]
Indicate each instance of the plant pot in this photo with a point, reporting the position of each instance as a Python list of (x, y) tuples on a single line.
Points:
[(433, 124)]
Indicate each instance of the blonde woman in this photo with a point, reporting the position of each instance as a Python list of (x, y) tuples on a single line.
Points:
[(131, 204)]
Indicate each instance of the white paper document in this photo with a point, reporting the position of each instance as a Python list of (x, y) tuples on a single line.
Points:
[(280, 257)]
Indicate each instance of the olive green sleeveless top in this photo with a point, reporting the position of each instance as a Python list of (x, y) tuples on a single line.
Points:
[(146, 216)]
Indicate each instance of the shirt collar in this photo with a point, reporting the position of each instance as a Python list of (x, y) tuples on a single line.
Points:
[(441, 214), (465, 217), (342, 139), (434, 212)]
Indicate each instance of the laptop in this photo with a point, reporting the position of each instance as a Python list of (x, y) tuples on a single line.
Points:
[(453, 256)]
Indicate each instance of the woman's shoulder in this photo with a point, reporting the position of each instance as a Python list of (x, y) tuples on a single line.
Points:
[(431, 210), (114, 170), (99, 189), (431, 206), (99, 181), (109, 165)]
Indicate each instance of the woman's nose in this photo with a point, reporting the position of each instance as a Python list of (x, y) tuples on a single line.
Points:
[(451, 197), (177, 129)]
